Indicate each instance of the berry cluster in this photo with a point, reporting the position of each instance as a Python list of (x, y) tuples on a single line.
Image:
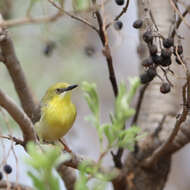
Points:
[(7, 169), (157, 58)]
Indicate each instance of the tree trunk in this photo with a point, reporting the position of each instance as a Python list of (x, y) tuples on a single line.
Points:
[(154, 106)]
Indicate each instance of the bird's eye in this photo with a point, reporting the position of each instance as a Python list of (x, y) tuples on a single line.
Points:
[(59, 90)]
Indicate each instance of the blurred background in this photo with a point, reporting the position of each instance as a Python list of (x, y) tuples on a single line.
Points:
[(69, 51)]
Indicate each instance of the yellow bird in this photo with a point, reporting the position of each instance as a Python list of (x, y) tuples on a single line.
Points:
[(57, 112)]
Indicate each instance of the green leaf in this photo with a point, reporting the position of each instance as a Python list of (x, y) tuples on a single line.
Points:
[(134, 84), (42, 157), (54, 183), (91, 97), (92, 119), (108, 133), (37, 182), (128, 137), (81, 183)]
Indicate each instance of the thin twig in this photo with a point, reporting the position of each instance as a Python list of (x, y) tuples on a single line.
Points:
[(82, 20), (124, 10), (179, 13), (139, 103), (31, 20), (160, 126), (107, 53), (16, 140), (178, 22)]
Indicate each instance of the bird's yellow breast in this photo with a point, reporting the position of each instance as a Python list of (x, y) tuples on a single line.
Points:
[(58, 117)]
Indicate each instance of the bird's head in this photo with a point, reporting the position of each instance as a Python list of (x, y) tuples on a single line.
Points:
[(59, 90)]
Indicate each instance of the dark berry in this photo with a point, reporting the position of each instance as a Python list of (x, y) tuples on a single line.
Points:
[(89, 50), (119, 2), (48, 50), (148, 37), (166, 53), (7, 169), (157, 59), (138, 24), (118, 25), (165, 88), (166, 62), (147, 62), (179, 49), (168, 42), (145, 78), (151, 72), (153, 49), (1, 175)]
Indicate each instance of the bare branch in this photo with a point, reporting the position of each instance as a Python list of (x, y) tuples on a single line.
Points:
[(68, 176), (138, 105), (179, 21), (119, 15), (30, 20), (182, 138), (107, 53), (17, 141), (82, 20), (16, 73), (19, 116), (179, 13)]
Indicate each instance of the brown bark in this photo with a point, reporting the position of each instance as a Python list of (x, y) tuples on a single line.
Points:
[(137, 175)]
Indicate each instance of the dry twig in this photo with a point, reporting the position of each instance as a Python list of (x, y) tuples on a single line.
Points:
[(179, 13), (124, 10), (82, 20)]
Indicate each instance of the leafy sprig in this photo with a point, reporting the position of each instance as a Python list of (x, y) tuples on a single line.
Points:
[(115, 132), (43, 160)]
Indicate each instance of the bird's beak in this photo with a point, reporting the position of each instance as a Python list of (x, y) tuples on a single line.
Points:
[(71, 87)]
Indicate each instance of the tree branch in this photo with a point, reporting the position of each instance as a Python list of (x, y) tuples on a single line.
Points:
[(179, 13), (119, 15), (179, 21), (68, 176), (82, 20), (16, 73), (107, 53), (138, 105), (19, 116), (30, 20)]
